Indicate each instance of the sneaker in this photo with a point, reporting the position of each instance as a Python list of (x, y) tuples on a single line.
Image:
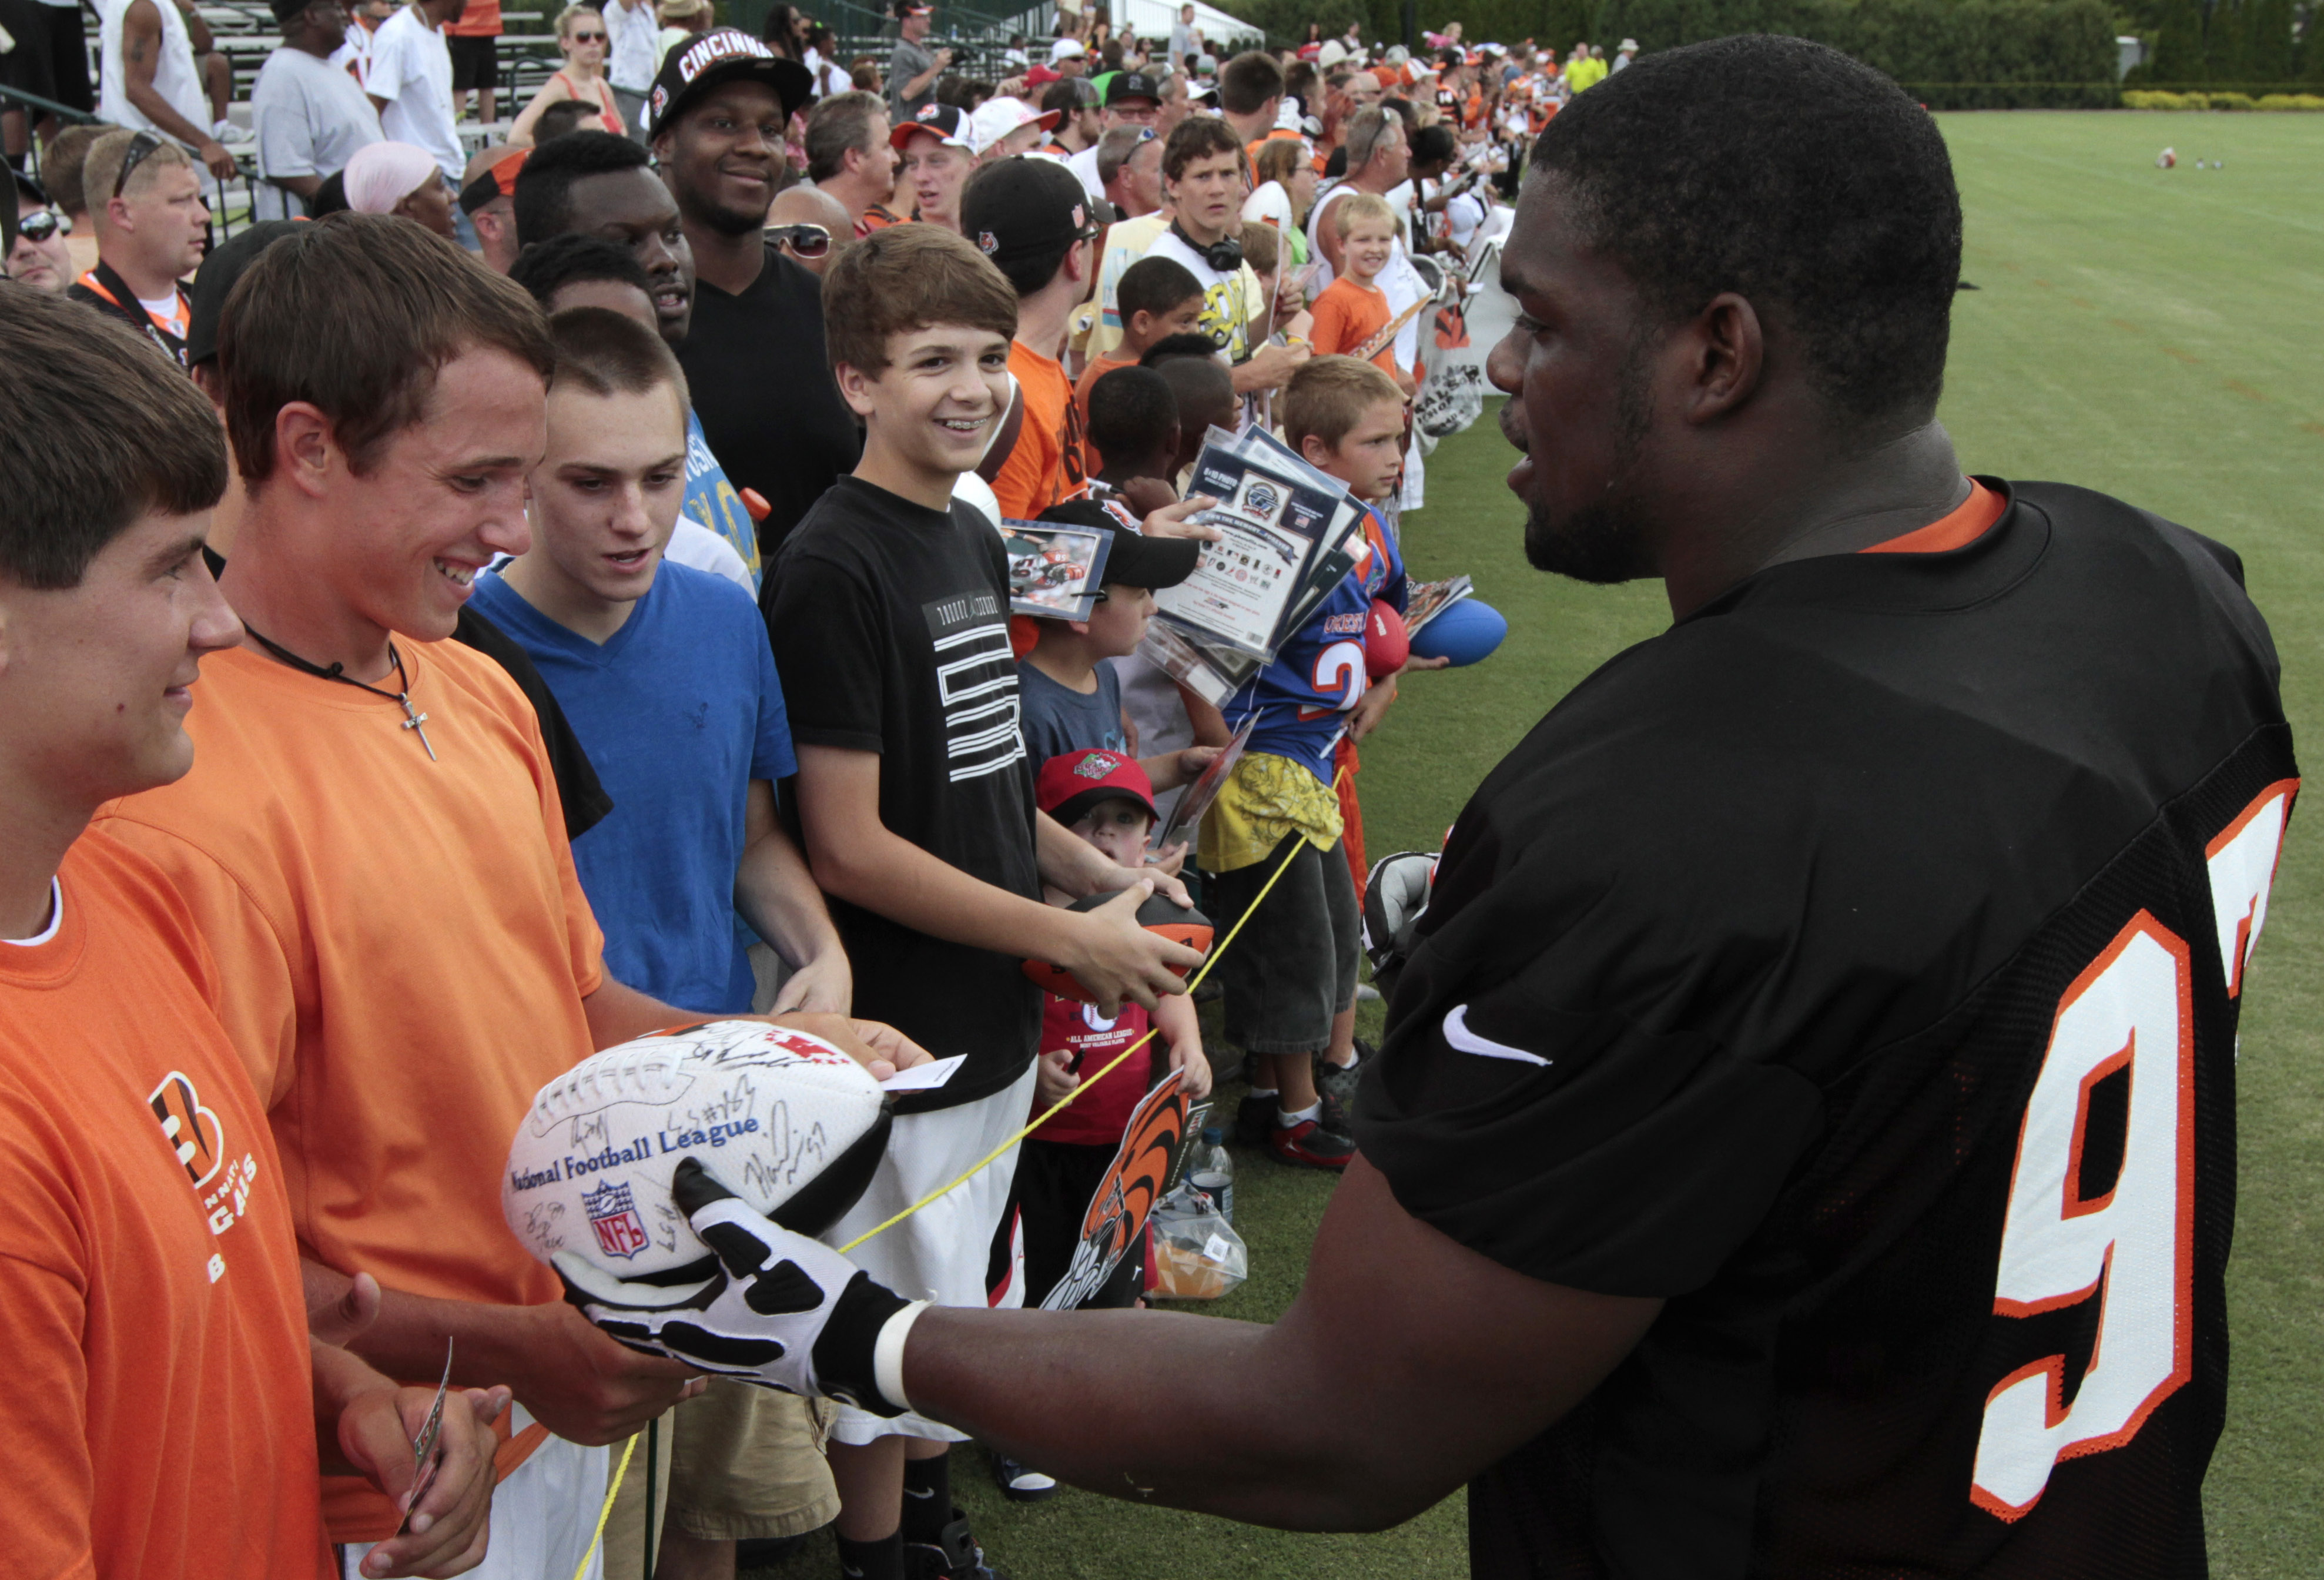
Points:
[(953, 1556), (1310, 1145), (1021, 1482), (1366, 993), (1254, 1121), (1339, 1081)]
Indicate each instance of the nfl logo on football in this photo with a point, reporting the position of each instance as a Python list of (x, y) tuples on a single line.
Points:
[(620, 1231)]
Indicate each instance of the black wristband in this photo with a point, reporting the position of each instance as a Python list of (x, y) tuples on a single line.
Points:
[(844, 1367)]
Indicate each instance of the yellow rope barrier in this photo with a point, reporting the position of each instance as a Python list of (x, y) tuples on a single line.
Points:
[(613, 1488), (614, 1485)]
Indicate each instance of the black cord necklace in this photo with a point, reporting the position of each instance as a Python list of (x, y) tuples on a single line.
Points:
[(413, 720)]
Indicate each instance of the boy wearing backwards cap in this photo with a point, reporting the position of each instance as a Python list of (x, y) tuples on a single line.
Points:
[(888, 611), (939, 151), (1032, 219)]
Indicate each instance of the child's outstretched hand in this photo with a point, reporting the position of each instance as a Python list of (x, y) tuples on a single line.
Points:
[(1176, 520)]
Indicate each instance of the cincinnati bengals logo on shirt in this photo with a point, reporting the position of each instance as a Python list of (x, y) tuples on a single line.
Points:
[(192, 1130)]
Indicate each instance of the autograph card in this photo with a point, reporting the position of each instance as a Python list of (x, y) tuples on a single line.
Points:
[(423, 1446)]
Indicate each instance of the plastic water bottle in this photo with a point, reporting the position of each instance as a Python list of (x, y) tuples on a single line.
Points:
[(1213, 1172)]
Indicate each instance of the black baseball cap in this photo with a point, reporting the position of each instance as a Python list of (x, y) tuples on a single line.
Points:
[(944, 123), (214, 281), (722, 55), (1132, 84), (1022, 207), (1135, 561)]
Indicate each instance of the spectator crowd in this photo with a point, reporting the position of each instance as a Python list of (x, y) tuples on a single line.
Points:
[(589, 525)]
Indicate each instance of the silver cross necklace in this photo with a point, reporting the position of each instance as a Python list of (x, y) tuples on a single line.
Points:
[(413, 719)]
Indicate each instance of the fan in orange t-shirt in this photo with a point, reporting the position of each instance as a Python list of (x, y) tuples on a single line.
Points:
[(371, 842), (166, 1395)]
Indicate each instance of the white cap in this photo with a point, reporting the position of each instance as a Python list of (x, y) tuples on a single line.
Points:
[(995, 118), (1333, 52), (1067, 49)]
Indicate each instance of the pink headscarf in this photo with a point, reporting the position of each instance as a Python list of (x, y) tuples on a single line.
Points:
[(382, 174)]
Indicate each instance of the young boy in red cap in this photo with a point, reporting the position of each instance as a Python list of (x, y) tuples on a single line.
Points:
[(1106, 798)]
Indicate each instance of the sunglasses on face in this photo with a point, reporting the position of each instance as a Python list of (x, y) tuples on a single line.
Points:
[(140, 146), (588, 38), (40, 226), (801, 241)]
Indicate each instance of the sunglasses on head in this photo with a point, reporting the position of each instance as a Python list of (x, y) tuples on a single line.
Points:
[(39, 226), (803, 241), (140, 147)]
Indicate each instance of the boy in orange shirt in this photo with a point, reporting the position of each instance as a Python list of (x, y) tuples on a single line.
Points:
[(168, 1397), (1031, 218), (1353, 309)]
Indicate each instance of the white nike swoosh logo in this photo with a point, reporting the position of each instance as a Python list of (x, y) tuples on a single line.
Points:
[(1458, 1037), (923, 1493)]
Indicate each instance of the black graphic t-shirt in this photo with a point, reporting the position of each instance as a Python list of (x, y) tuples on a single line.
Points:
[(1855, 967), (890, 625)]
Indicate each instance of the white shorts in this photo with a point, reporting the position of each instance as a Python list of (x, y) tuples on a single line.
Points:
[(544, 1515), (943, 1251)]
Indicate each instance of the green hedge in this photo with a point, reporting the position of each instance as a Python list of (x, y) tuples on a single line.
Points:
[(1952, 54)]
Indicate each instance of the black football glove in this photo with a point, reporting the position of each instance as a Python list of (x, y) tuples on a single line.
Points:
[(778, 1309)]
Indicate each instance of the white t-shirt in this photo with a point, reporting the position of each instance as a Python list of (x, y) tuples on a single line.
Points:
[(630, 36), (412, 68), (1231, 301), (176, 78), (309, 118)]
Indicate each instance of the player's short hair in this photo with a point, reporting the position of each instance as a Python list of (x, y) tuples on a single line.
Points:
[(1329, 395), (63, 166), (543, 200), (1248, 81), (1358, 206), (545, 268), (1065, 95), (1175, 347), (1197, 138), (1279, 159), (355, 315), (97, 428), (1262, 246), (1155, 285), (605, 353), (563, 117), (837, 126), (1131, 408), (1367, 130), (908, 277), (1785, 172), (102, 168)]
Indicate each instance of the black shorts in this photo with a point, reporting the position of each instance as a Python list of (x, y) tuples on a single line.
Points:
[(50, 58), (476, 63), (1294, 966), (1054, 1182)]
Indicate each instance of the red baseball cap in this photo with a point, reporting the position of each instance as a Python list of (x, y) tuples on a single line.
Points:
[(1040, 76), (1070, 785)]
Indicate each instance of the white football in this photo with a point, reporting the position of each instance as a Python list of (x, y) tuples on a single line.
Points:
[(791, 1123)]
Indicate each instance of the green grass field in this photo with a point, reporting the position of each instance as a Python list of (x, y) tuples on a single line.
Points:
[(2156, 334)]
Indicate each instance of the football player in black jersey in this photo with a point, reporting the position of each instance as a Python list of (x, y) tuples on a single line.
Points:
[(1804, 1141)]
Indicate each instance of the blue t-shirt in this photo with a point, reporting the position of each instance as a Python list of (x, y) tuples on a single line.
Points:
[(1056, 719), (1318, 675), (678, 712), (711, 500)]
